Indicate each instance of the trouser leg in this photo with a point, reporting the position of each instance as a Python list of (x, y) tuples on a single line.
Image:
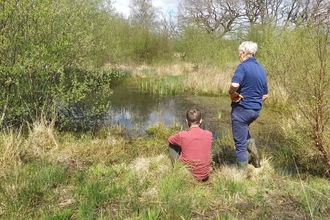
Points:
[(241, 119), (174, 152), (239, 129), (252, 149)]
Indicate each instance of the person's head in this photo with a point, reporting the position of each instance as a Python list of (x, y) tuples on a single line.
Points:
[(193, 117), (247, 49)]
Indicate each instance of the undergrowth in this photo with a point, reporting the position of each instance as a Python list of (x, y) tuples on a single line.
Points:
[(105, 176)]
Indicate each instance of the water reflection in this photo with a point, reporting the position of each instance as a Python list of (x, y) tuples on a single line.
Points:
[(135, 111)]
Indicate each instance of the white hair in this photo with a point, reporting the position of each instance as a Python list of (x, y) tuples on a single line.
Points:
[(248, 47)]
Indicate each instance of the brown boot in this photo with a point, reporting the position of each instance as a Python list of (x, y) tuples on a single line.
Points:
[(252, 149)]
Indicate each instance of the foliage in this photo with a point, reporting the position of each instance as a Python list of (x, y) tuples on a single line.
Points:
[(170, 85), (199, 47), (45, 46), (52, 55), (302, 74)]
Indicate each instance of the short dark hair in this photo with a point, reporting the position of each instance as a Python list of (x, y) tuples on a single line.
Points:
[(194, 115)]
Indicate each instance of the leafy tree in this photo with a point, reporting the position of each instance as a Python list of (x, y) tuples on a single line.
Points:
[(298, 64), (42, 44), (148, 39)]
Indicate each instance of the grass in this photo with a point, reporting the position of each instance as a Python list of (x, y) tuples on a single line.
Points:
[(107, 177), (169, 85), (178, 78), (51, 175)]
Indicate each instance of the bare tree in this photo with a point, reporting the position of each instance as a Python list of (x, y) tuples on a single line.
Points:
[(214, 16), (168, 25), (223, 16), (303, 12), (143, 13), (263, 11)]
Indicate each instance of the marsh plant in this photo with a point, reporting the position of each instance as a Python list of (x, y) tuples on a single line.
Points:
[(167, 85), (203, 81), (219, 114)]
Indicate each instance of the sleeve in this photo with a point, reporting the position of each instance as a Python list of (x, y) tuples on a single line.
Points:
[(266, 87), (175, 139), (238, 75)]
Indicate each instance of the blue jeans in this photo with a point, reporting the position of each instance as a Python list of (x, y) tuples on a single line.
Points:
[(241, 118)]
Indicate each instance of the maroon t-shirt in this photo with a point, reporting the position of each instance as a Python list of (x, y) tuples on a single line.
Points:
[(195, 146)]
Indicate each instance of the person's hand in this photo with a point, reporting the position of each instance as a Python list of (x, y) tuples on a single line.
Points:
[(236, 97), (264, 97)]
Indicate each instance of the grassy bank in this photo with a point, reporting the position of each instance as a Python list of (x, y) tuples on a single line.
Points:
[(47, 175)]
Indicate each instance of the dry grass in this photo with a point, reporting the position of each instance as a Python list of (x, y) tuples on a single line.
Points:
[(10, 148), (150, 167), (199, 79), (143, 71), (43, 143), (202, 79), (209, 80), (277, 93), (230, 172), (41, 140)]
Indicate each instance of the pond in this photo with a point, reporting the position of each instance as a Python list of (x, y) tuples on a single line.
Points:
[(136, 110)]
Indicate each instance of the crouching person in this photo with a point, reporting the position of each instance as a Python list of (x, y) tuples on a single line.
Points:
[(193, 146)]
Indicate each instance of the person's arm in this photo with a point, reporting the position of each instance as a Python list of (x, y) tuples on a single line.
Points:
[(233, 88), (175, 139), (265, 96), (234, 96)]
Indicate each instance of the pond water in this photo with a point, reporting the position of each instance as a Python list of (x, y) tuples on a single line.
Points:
[(136, 110)]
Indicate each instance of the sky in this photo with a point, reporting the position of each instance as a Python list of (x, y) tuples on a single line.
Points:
[(122, 6)]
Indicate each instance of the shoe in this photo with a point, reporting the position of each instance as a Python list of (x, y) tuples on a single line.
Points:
[(242, 166), (256, 163)]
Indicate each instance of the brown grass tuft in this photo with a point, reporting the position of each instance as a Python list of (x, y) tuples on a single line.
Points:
[(42, 134), (10, 147), (266, 171)]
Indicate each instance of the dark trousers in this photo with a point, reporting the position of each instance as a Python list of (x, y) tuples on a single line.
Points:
[(174, 151), (241, 119)]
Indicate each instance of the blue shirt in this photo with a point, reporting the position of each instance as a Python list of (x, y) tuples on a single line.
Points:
[(252, 79)]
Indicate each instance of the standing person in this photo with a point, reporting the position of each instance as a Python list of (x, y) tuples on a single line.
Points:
[(248, 91), (193, 146)]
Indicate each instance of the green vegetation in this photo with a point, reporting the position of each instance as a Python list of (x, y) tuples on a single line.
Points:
[(50, 176), (57, 54)]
